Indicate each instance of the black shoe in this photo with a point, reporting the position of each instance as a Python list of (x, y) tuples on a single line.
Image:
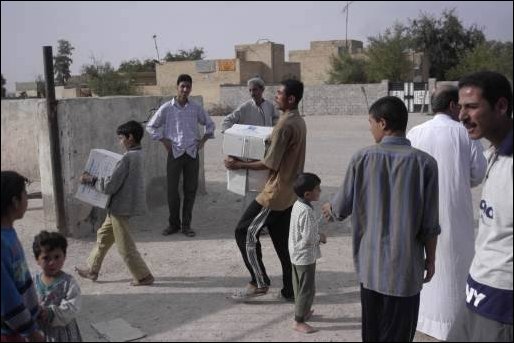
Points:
[(188, 232), (169, 231)]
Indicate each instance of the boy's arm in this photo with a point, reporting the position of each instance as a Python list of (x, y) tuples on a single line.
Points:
[(430, 248), (308, 229), (111, 184), (430, 220), (68, 308), (15, 315)]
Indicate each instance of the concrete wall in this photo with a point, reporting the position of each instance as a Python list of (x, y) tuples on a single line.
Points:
[(84, 124), (318, 100), (19, 146)]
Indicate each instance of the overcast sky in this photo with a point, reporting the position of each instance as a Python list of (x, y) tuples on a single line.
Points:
[(114, 32)]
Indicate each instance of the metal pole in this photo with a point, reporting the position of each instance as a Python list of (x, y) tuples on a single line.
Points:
[(155, 41), (53, 127), (346, 32)]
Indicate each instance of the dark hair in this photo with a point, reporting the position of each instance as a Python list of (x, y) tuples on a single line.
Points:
[(13, 184), (442, 98), (493, 85), (392, 110), (294, 88), (131, 127), (48, 241), (184, 78), (305, 182)]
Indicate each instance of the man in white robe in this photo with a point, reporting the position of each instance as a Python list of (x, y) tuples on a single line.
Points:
[(461, 165)]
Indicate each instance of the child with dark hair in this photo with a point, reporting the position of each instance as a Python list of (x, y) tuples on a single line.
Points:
[(127, 189), (19, 298), (391, 190), (59, 292), (304, 240)]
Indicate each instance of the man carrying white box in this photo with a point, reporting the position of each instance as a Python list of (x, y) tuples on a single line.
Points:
[(284, 160)]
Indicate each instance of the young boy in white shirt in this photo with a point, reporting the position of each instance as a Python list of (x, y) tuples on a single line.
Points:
[(304, 240)]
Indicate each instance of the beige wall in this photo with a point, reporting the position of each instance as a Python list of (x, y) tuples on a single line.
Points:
[(259, 53), (204, 84), (314, 65), (265, 60)]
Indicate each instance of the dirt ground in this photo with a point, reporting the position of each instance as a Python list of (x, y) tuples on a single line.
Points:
[(190, 300)]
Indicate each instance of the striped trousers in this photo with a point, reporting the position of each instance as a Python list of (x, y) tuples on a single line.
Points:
[(247, 235)]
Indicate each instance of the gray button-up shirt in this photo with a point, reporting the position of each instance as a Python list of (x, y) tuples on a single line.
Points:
[(180, 125), (391, 190), (249, 113)]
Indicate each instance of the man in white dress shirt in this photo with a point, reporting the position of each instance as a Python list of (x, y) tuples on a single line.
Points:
[(461, 165)]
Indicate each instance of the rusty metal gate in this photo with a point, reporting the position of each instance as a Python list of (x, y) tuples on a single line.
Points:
[(415, 95)]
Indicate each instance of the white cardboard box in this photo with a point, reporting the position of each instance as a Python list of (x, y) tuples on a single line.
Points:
[(242, 180), (100, 163), (246, 141)]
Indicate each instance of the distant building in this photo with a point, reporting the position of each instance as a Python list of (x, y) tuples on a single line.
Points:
[(316, 62), (25, 89), (261, 59)]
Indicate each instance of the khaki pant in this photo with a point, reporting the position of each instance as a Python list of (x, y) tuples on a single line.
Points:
[(115, 229)]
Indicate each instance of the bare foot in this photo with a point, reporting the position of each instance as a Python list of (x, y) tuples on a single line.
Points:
[(308, 315), (303, 328)]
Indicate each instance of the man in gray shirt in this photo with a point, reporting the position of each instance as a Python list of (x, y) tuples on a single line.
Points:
[(391, 190), (257, 111)]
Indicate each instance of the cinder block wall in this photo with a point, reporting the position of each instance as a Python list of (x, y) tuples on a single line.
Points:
[(318, 100)]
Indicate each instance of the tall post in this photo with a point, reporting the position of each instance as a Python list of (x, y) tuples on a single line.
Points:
[(346, 31), (53, 127), (346, 9), (155, 41)]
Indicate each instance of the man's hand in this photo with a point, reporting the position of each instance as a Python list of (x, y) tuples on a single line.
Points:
[(322, 238), (231, 163), (326, 210), (430, 268)]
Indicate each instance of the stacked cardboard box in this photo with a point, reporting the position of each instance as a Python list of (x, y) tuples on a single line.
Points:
[(246, 142)]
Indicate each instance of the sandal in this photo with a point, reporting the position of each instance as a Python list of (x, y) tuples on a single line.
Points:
[(169, 231), (87, 274), (146, 281), (247, 293), (188, 232)]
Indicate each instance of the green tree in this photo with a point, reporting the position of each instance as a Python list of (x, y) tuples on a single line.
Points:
[(345, 69), (183, 55), (444, 40), (135, 65), (62, 62), (104, 80), (387, 57), (4, 91), (491, 55)]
